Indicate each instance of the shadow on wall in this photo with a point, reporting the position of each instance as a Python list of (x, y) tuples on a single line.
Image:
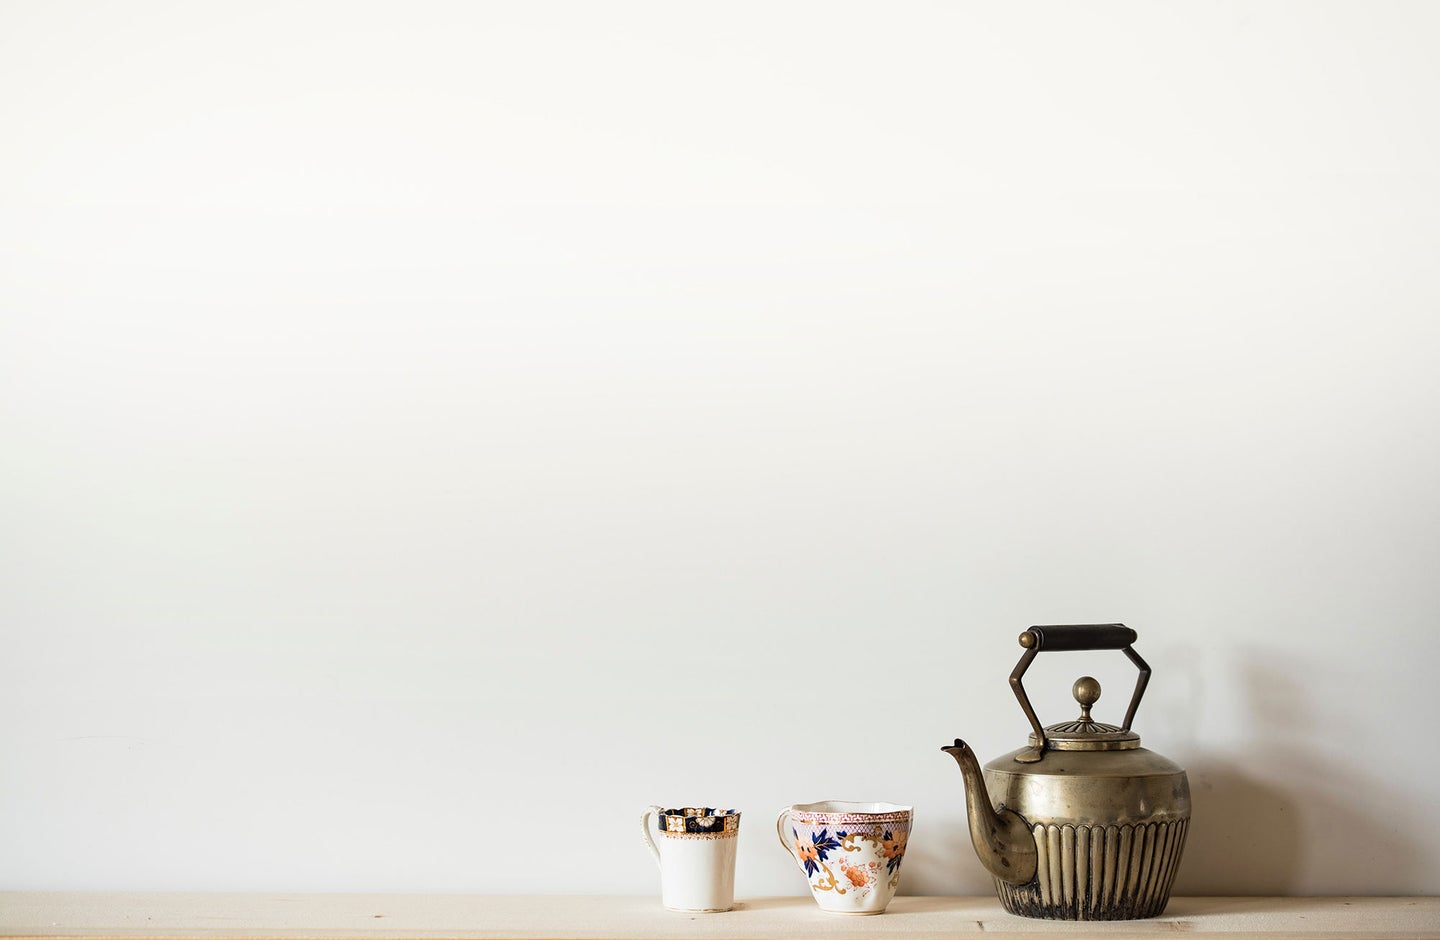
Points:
[(944, 863), (1298, 807), (1285, 816)]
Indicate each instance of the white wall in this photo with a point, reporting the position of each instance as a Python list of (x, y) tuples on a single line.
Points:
[(432, 432)]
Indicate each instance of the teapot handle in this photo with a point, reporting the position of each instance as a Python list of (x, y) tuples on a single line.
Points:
[(1067, 638)]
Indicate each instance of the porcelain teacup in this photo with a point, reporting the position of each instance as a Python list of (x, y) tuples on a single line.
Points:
[(696, 855), (850, 852)]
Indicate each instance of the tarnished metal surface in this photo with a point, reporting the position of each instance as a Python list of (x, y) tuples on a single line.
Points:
[(1088, 788), (1084, 824), (1099, 872), (1001, 837)]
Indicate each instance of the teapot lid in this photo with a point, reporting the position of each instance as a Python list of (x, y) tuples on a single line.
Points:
[(1085, 733)]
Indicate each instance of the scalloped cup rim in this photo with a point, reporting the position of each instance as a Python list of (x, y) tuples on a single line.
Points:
[(850, 808)]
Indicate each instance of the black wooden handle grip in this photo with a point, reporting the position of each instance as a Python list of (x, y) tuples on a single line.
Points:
[(1062, 638)]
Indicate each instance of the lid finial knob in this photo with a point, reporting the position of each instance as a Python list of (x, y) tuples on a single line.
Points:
[(1087, 692)]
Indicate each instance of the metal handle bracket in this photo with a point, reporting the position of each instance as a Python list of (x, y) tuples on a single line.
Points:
[(1067, 638)]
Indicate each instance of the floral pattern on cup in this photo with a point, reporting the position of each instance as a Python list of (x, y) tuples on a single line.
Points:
[(699, 820), (825, 856), (851, 859)]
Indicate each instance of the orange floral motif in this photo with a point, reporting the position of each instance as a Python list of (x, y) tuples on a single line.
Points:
[(806, 852), (892, 847), (858, 876)]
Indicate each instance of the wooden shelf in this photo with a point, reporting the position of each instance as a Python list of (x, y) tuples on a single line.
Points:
[(541, 917)]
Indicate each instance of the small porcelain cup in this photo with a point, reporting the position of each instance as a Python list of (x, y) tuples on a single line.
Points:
[(850, 852), (696, 855)]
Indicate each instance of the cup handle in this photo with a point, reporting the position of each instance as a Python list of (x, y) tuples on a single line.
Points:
[(645, 830), (780, 831)]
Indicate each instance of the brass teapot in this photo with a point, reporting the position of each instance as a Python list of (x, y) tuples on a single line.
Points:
[(1084, 823)]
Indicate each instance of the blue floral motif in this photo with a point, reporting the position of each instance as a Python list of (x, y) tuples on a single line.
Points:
[(819, 849)]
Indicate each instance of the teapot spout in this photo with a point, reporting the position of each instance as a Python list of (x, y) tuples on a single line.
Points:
[(1002, 839)]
